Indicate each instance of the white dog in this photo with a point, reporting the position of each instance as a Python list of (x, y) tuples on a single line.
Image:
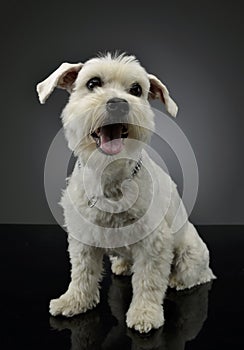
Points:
[(118, 201)]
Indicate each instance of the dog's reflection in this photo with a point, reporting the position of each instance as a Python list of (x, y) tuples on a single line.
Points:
[(185, 312)]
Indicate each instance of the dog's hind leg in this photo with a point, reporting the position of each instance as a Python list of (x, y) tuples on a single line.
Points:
[(120, 265), (190, 265), (83, 292)]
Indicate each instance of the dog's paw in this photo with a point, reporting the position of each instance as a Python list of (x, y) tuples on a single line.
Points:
[(143, 320), (176, 284), (120, 266), (68, 305)]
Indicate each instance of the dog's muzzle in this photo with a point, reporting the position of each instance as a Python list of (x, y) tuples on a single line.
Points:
[(117, 107), (110, 136)]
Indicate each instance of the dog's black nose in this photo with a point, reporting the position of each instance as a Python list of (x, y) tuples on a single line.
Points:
[(117, 106)]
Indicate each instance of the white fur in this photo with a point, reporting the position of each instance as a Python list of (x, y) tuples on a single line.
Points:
[(156, 260), (46, 87)]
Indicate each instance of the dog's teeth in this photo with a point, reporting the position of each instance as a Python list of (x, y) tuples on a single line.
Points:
[(124, 129)]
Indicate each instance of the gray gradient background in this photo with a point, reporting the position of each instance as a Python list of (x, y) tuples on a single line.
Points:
[(195, 47)]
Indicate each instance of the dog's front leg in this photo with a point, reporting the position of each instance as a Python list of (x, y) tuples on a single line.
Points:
[(83, 291), (151, 270)]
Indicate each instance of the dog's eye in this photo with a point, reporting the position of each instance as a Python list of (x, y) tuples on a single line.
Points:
[(136, 90), (93, 82)]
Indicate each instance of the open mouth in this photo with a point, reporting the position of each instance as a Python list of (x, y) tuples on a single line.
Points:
[(110, 138)]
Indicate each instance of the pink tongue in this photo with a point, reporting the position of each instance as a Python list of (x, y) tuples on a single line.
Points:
[(111, 146), (110, 137)]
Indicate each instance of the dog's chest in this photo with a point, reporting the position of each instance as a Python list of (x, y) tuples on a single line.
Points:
[(121, 204), (114, 202)]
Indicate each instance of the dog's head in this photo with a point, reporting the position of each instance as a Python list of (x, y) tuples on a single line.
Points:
[(108, 103)]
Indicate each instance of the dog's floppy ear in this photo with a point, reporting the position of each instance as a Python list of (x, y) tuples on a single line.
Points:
[(159, 90), (63, 78)]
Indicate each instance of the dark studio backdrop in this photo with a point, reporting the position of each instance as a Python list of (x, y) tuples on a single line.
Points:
[(194, 47)]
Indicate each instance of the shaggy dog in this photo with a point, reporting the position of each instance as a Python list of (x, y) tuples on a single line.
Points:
[(118, 201)]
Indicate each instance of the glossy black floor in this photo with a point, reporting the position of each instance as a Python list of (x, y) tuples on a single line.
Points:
[(35, 268)]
